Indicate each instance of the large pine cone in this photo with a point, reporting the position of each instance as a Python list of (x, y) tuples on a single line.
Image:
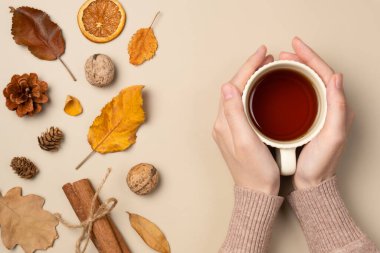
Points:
[(26, 94), (24, 167)]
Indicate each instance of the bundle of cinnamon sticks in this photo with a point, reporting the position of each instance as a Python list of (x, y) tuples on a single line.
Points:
[(105, 235)]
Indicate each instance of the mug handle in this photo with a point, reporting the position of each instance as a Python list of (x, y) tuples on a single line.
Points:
[(286, 160)]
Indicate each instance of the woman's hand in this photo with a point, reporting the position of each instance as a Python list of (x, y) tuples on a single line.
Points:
[(249, 160), (318, 160)]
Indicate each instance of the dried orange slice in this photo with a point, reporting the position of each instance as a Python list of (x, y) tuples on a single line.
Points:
[(101, 20)]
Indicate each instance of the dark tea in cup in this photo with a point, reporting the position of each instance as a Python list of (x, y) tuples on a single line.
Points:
[(286, 106), (283, 104)]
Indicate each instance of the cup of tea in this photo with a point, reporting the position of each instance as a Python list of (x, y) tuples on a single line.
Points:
[(285, 104)]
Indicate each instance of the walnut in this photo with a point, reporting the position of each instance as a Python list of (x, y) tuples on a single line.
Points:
[(142, 178), (100, 70)]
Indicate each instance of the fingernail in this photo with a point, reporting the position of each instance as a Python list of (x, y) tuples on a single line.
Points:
[(338, 82), (228, 91), (298, 41)]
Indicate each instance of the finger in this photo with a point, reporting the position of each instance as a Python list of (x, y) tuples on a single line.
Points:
[(249, 67), (336, 120), (312, 59), (241, 131), (269, 58), (221, 131), (289, 56)]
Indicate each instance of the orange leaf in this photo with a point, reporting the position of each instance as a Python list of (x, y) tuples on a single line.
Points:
[(150, 233), (73, 106), (143, 45), (115, 128)]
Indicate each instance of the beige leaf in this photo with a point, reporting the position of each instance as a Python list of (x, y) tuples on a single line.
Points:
[(150, 233), (73, 106), (24, 222)]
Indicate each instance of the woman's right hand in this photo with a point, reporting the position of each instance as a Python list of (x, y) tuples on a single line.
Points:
[(318, 159)]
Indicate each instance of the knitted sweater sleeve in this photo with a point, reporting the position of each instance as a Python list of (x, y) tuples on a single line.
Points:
[(326, 222), (251, 222)]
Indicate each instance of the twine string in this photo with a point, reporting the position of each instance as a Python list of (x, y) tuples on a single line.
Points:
[(95, 214)]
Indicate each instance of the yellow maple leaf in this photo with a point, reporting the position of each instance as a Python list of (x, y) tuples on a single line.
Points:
[(143, 45), (115, 128)]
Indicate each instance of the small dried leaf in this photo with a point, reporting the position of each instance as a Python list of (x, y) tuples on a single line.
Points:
[(73, 106), (150, 233), (24, 222), (115, 128), (142, 46)]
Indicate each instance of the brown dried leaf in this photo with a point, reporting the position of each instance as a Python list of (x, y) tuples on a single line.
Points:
[(34, 29), (150, 233), (24, 222), (143, 45)]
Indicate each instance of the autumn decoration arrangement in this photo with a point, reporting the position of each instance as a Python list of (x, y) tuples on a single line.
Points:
[(23, 221)]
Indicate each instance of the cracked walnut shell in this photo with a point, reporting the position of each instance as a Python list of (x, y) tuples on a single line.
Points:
[(142, 178)]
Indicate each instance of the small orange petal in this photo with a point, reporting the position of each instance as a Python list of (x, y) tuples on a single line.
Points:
[(73, 106)]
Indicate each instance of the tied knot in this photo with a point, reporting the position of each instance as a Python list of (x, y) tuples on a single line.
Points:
[(95, 214)]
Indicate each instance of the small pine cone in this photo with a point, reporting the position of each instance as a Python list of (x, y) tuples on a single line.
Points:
[(24, 167), (51, 139)]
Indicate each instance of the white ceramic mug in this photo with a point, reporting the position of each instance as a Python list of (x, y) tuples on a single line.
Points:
[(286, 150)]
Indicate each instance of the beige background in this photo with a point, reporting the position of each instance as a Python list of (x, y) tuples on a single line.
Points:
[(201, 44)]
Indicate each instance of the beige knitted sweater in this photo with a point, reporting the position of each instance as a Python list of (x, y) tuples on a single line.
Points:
[(326, 223)]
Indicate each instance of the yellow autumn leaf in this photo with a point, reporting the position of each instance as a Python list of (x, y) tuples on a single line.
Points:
[(143, 45), (115, 128), (73, 106), (150, 233)]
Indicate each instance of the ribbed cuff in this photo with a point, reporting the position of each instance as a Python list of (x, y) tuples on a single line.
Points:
[(251, 222), (324, 218)]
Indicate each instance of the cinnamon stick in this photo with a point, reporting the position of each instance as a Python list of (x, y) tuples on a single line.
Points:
[(105, 235)]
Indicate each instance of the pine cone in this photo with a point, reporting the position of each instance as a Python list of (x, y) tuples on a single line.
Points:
[(24, 167), (50, 140), (26, 94)]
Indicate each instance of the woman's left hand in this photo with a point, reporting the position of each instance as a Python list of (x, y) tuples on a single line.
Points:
[(249, 160)]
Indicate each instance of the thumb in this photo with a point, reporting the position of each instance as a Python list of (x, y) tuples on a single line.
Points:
[(336, 106), (240, 129)]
